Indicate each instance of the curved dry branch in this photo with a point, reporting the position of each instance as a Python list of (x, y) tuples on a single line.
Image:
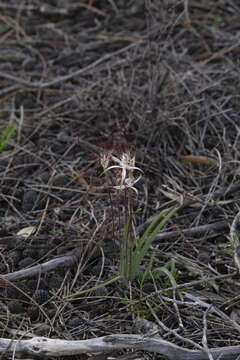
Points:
[(66, 260), (45, 347)]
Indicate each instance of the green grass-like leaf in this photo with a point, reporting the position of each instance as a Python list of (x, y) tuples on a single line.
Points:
[(6, 134), (129, 269)]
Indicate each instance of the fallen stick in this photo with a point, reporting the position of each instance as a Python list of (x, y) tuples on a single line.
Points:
[(61, 261), (42, 347), (193, 231)]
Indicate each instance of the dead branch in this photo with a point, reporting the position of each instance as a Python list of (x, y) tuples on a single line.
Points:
[(66, 260), (45, 347), (193, 231)]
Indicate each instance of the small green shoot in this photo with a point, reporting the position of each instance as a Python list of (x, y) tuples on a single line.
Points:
[(6, 134)]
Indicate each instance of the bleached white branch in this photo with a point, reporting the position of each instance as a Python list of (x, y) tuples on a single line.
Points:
[(45, 347)]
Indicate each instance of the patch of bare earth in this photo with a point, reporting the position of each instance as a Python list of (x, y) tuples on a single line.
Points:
[(77, 77)]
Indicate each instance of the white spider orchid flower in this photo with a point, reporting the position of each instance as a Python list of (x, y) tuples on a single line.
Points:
[(128, 184), (126, 163)]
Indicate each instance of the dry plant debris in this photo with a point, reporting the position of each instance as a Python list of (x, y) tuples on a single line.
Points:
[(73, 76)]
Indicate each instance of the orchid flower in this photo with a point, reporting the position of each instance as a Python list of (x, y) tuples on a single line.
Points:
[(126, 163), (129, 182)]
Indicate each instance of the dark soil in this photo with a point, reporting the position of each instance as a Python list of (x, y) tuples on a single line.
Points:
[(80, 77)]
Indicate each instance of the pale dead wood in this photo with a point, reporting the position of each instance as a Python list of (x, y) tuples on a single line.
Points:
[(45, 347)]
